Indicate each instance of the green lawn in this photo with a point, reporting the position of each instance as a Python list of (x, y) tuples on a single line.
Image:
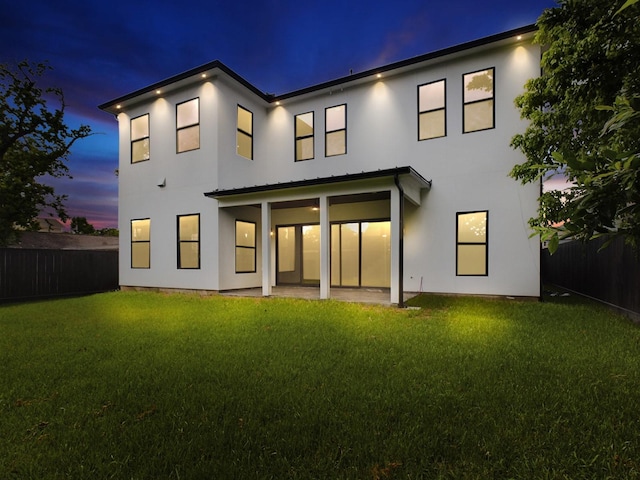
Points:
[(149, 386)]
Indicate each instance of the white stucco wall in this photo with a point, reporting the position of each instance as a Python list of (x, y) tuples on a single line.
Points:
[(468, 171), (187, 176)]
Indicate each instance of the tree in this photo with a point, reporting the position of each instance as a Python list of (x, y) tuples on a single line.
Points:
[(81, 226), (591, 68), (34, 142), (108, 232)]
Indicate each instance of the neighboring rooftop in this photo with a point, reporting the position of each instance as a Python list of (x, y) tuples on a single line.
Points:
[(53, 225), (65, 241)]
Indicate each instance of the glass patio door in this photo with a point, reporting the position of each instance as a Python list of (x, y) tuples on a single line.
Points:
[(361, 254), (298, 254)]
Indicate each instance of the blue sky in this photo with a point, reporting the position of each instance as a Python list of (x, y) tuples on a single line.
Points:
[(101, 50)]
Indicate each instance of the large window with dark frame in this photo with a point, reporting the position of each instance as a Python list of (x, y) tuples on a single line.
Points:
[(141, 243), (188, 125), (478, 95), (472, 239), (140, 138), (335, 119), (245, 247), (189, 241), (244, 135), (304, 136), (432, 118)]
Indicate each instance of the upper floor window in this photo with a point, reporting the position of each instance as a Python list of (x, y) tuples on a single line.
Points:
[(141, 243), (478, 93), (189, 241), (244, 135), (472, 243), (188, 125), (432, 110), (245, 247), (304, 136), (335, 130), (140, 138)]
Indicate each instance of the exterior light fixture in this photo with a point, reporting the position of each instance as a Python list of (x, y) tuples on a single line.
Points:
[(158, 92), (118, 106), (204, 75), (278, 104), (519, 37), (379, 75)]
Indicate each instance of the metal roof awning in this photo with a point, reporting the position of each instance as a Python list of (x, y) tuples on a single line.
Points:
[(416, 182)]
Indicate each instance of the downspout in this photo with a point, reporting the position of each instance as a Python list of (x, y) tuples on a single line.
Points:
[(400, 244), (540, 254)]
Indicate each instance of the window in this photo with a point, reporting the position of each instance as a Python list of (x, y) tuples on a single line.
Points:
[(245, 247), (304, 136), (244, 136), (189, 241), (141, 243), (472, 243), (478, 100), (335, 119), (188, 126), (431, 110), (140, 138)]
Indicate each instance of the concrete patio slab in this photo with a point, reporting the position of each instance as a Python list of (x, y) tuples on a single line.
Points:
[(358, 295)]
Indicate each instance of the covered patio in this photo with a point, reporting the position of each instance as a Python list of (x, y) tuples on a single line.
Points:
[(378, 296), (354, 225)]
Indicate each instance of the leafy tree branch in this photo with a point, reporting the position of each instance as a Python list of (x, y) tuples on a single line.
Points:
[(584, 123), (34, 142)]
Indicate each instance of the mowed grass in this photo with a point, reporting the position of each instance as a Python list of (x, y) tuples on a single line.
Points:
[(150, 386)]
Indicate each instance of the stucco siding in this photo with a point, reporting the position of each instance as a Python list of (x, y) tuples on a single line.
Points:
[(468, 171)]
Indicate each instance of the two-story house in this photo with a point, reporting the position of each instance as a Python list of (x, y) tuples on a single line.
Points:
[(394, 178)]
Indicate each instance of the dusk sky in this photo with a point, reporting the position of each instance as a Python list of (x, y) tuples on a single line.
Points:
[(101, 50)]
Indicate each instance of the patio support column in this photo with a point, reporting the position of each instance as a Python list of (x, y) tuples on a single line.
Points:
[(325, 280), (266, 248), (400, 242), (396, 245)]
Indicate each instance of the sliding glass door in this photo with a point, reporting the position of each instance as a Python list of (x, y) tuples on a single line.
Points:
[(298, 254), (361, 254)]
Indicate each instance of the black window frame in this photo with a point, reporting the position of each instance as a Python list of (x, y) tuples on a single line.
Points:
[(485, 243), (492, 100), (304, 137), (243, 132), (185, 127), (327, 131), (139, 241), (140, 139), (443, 108), (180, 241), (254, 248)]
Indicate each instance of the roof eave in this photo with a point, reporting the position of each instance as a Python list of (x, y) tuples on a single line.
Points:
[(270, 187), (208, 68), (528, 29), (112, 105)]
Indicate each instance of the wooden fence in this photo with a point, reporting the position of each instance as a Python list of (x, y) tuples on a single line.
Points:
[(611, 275), (28, 273)]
